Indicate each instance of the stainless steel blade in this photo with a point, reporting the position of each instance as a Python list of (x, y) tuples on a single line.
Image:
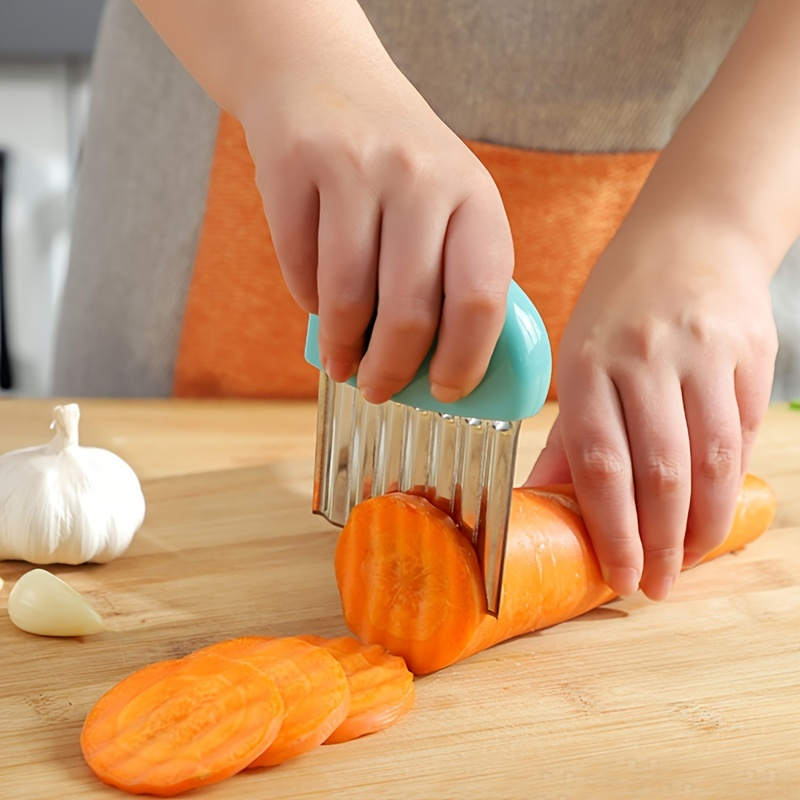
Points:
[(464, 466)]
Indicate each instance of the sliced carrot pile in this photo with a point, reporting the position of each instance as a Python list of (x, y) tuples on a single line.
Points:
[(178, 725), (311, 681), (249, 702), (381, 686), (410, 582)]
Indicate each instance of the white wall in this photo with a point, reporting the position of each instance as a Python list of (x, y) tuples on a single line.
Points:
[(42, 114)]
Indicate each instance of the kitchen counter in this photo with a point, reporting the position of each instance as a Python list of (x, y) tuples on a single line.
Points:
[(696, 697)]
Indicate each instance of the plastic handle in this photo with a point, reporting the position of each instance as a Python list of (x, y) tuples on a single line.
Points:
[(516, 382)]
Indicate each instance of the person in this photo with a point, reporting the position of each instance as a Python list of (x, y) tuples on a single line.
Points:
[(377, 207)]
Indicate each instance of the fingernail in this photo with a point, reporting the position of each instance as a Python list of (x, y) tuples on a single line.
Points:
[(338, 371), (372, 395), (623, 580), (661, 588), (446, 394)]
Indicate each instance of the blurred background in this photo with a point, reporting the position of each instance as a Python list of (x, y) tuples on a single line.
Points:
[(45, 57)]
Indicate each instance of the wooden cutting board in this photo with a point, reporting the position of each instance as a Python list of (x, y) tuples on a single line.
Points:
[(696, 697)]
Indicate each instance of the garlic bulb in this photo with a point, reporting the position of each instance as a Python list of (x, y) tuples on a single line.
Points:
[(62, 503), (41, 603)]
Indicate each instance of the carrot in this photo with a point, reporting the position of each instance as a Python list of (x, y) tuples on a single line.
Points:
[(178, 725), (311, 681), (410, 581), (381, 686)]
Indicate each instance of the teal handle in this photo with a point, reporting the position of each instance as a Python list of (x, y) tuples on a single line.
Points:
[(516, 382)]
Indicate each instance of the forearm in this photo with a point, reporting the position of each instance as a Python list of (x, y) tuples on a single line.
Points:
[(735, 159), (231, 47)]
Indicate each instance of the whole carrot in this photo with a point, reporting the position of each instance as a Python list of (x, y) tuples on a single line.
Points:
[(410, 581)]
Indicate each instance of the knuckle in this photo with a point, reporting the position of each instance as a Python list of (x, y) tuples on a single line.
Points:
[(348, 300), (412, 316), (701, 328), (599, 466), (764, 349), (584, 353), (294, 153), (665, 553), (664, 474), (751, 424), (719, 462), (481, 305), (478, 181), (644, 339), (406, 162)]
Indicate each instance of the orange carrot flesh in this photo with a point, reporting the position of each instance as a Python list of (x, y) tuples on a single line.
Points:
[(381, 686), (407, 578), (407, 583), (178, 725), (311, 681)]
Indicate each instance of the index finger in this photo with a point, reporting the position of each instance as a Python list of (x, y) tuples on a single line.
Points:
[(596, 444)]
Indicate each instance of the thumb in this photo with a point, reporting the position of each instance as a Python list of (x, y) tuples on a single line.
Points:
[(552, 465)]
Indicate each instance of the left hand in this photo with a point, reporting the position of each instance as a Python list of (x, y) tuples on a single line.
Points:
[(664, 376)]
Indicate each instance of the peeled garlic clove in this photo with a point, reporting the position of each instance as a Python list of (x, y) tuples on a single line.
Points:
[(41, 603)]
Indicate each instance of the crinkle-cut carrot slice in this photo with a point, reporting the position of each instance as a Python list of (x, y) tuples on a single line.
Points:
[(409, 580), (311, 681), (381, 686), (177, 725)]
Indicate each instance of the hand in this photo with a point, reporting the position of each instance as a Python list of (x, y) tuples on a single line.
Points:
[(376, 207), (664, 376)]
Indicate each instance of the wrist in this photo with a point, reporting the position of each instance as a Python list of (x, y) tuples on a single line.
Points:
[(234, 49), (679, 246), (701, 211)]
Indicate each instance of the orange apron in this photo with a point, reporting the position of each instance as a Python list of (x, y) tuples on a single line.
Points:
[(243, 335)]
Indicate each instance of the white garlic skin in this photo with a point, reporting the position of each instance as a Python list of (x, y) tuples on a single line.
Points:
[(41, 603), (66, 504)]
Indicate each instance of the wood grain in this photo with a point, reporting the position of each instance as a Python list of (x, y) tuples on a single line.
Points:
[(695, 697)]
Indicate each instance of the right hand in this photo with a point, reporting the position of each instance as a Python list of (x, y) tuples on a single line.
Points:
[(378, 210)]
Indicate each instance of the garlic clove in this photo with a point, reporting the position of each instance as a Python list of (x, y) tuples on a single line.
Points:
[(43, 604)]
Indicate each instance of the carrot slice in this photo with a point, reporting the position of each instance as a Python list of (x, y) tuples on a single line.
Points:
[(311, 681), (381, 686), (409, 580), (178, 725)]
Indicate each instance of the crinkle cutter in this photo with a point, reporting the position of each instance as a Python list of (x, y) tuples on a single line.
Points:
[(460, 456)]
